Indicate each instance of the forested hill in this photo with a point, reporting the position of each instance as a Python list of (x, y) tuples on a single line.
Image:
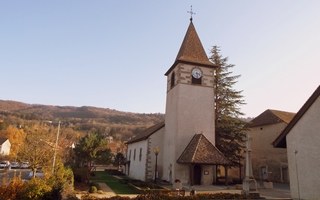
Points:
[(86, 118)]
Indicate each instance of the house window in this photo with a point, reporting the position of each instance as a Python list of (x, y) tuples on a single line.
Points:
[(172, 79), (134, 154), (196, 81), (140, 154)]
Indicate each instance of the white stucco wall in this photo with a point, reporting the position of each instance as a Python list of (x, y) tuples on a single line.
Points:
[(137, 168), (265, 155), (5, 148), (303, 149), (156, 140), (144, 169), (189, 111)]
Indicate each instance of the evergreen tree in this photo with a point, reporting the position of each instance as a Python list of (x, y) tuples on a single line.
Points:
[(230, 129), (119, 160), (91, 149)]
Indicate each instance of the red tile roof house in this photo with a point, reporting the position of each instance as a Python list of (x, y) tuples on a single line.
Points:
[(269, 163)]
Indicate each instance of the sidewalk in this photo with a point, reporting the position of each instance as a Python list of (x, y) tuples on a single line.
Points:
[(280, 191)]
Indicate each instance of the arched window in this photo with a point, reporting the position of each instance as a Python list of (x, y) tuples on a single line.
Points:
[(173, 79)]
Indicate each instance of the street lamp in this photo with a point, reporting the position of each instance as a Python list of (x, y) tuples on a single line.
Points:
[(156, 151)]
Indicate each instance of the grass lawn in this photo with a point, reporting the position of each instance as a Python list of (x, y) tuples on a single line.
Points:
[(113, 183)]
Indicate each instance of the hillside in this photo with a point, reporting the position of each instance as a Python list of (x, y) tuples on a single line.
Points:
[(85, 119)]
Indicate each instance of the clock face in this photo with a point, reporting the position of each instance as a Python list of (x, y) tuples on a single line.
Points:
[(196, 73)]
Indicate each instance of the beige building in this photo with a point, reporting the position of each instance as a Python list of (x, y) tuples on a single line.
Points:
[(269, 163), (302, 138), (184, 143)]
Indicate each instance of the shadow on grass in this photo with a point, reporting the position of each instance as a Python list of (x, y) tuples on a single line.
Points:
[(117, 186)]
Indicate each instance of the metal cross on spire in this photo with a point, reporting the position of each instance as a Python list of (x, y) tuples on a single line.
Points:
[(191, 13)]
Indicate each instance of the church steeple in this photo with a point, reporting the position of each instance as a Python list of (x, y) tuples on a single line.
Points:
[(189, 109), (191, 50)]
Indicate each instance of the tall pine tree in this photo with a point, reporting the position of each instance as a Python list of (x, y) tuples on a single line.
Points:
[(230, 129)]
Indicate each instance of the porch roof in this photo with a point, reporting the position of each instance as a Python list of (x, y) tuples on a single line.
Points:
[(201, 151)]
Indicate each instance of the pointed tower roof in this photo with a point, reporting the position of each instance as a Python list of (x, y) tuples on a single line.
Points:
[(191, 50)]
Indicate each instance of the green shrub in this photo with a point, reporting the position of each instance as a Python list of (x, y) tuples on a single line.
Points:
[(226, 196), (157, 196), (35, 189), (93, 189), (166, 197), (95, 184), (61, 182), (10, 191)]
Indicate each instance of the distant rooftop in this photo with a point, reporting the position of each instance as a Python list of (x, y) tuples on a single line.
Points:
[(271, 117), (281, 141)]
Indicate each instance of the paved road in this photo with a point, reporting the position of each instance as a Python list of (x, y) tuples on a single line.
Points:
[(8, 174)]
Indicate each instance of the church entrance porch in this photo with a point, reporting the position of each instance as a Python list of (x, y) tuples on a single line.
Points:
[(202, 157), (205, 175)]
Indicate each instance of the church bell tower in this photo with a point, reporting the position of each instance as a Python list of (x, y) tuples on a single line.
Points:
[(189, 103)]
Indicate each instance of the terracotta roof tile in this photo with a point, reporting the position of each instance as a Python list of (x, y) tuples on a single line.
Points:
[(191, 50), (201, 151)]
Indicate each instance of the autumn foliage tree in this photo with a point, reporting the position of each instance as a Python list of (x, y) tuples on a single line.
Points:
[(16, 137), (37, 150), (230, 129)]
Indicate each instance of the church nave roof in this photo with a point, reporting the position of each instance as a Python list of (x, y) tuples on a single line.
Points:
[(146, 133)]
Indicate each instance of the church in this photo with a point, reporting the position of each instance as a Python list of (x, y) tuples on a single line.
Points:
[(183, 146)]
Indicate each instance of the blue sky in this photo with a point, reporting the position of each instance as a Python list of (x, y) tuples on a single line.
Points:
[(114, 54)]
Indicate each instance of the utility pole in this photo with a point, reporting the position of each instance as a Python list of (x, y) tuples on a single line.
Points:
[(55, 148)]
